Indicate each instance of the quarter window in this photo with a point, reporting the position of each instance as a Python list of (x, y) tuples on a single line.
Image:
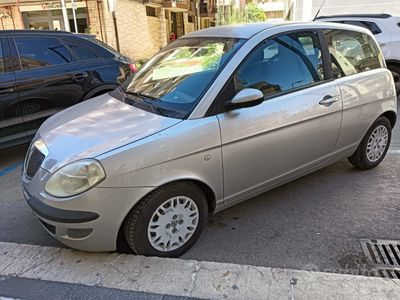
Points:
[(80, 51), (1, 59), (41, 52), (281, 64), (352, 52)]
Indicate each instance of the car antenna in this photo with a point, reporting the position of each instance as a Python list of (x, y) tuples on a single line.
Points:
[(319, 10)]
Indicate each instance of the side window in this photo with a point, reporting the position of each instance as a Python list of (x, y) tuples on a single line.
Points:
[(41, 52), (371, 26), (352, 52), (81, 52), (2, 69), (282, 63)]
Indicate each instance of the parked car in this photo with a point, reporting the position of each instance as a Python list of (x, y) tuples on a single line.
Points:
[(43, 72), (145, 164), (386, 29)]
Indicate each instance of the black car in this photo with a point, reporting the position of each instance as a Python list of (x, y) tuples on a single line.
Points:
[(43, 72)]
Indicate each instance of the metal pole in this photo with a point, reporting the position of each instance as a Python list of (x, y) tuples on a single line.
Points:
[(65, 16), (74, 15), (116, 30)]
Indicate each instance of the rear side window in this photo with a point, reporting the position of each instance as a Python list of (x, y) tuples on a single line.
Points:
[(352, 52), (1, 59), (81, 52), (371, 26), (41, 52), (281, 64)]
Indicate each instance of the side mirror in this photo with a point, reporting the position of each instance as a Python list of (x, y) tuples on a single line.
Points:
[(246, 98)]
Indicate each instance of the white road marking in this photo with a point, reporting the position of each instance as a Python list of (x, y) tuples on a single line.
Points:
[(394, 151), (185, 277)]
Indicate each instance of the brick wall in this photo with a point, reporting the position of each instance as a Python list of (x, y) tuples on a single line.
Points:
[(189, 27), (14, 21), (140, 36), (94, 15)]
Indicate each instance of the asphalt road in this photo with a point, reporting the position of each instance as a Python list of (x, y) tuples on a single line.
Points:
[(316, 220)]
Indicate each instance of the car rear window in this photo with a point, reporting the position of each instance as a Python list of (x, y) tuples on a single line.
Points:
[(352, 52), (41, 52), (81, 52)]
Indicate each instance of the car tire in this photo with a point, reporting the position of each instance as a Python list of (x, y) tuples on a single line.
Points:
[(374, 146), (396, 75), (174, 228)]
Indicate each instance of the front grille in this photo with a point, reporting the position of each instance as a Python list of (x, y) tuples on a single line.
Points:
[(383, 256), (35, 160)]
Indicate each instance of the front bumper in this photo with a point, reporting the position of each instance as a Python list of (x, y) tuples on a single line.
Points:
[(56, 214), (89, 221)]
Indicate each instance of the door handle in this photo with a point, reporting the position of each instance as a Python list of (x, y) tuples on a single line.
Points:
[(329, 100), (6, 90), (79, 76)]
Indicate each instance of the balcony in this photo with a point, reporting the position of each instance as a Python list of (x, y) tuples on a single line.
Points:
[(153, 3), (176, 5), (207, 11)]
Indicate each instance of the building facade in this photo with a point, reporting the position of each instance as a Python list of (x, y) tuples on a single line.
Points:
[(274, 9), (140, 27), (305, 10)]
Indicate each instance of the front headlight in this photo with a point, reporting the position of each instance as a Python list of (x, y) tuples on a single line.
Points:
[(75, 178)]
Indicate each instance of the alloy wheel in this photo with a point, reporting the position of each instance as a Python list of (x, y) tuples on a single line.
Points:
[(173, 223), (377, 143)]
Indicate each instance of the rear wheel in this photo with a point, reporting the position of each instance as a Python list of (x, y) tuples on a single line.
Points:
[(396, 75), (168, 221), (374, 146)]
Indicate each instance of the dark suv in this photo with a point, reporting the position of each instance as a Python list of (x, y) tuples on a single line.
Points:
[(43, 72)]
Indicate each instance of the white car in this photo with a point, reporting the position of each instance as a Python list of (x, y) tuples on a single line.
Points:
[(385, 28)]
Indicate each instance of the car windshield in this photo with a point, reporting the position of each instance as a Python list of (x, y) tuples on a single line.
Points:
[(174, 80)]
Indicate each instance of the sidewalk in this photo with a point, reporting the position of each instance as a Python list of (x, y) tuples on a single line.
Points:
[(186, 278)]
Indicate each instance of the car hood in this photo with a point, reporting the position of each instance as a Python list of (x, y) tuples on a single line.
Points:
[(94, 127)]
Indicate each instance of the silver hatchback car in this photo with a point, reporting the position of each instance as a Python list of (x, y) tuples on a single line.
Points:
[(213, 119)]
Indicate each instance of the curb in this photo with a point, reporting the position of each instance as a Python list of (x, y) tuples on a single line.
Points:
[(188, 278)]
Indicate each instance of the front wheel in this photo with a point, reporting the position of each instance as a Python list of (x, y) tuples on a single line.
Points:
[(168, 221), (374, 146)]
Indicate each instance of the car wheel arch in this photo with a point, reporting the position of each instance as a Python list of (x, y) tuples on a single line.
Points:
[(391, 116), (393, 62), (99, 91), (121, 244)]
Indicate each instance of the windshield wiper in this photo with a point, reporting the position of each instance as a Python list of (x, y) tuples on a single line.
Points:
[(142, 96), (145, 99)]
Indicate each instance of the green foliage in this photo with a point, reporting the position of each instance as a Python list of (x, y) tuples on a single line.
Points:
[(229, 14), (254, 13)]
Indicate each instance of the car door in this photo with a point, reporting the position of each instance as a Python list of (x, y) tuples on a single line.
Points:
[(12, 130), (47, 81), (364, 82), (91, 67), (294, 130)]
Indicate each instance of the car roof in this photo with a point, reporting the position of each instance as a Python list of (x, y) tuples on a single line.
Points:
[(370, 16), (33, 32), (246, 31), (232, 31)]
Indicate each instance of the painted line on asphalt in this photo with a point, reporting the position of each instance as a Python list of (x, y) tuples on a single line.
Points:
[(394, 151), (188, 278), (11, 168)]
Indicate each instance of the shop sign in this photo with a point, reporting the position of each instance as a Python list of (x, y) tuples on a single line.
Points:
[(51, 5)]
